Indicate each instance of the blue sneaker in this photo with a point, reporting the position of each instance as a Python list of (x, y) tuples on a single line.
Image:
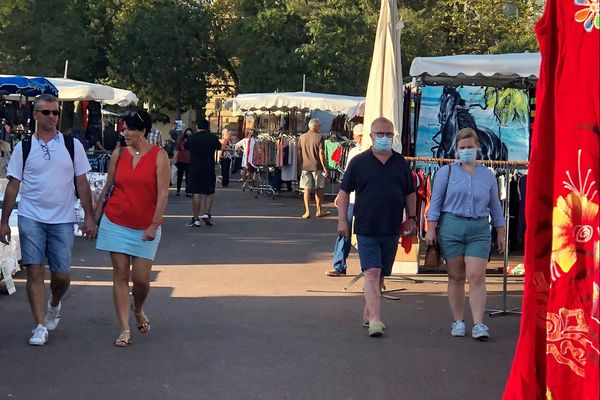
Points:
[(458, 328), (480, 332)]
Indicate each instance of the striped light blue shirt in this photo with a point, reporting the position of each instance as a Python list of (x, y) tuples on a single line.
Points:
[(468, 196)]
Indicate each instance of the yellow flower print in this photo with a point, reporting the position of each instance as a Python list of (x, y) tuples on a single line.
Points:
[(574, 222)]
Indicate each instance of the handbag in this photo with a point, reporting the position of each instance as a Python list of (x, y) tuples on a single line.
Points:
[(109, 187), (433, 254)]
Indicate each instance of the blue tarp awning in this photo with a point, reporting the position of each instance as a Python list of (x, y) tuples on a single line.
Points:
[(30, 87)]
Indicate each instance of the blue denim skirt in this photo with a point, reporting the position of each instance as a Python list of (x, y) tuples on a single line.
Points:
[(119, 239)]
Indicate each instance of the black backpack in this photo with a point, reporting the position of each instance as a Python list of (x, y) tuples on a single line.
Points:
[(69, 144)]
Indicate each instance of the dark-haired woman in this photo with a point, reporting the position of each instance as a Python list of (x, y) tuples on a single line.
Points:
[(182, 161), (130, 228)]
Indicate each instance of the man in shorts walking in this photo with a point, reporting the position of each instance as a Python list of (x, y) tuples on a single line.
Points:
[(383, 185), (47, 184), (311, 159), (203, 147)]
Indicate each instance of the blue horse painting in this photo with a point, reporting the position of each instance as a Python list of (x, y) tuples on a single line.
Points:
[(453, 116)]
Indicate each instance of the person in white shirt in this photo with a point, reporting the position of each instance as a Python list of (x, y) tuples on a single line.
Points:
[(47, 182), (343, 244), (246, 146)]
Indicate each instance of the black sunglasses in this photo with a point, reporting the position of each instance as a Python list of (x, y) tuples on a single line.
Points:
[(48, 112)]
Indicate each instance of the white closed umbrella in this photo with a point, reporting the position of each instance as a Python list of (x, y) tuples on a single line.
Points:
[(385, 90)]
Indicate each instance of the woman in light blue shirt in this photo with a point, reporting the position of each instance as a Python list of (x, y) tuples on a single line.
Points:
[(464, 196)]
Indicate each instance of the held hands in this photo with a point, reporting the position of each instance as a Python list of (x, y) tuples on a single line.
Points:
[(5, 234), (89, 227)]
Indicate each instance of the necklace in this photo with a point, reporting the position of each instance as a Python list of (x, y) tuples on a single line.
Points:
[(137, 153)]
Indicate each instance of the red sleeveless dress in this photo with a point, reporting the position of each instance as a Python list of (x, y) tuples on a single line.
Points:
[(557, 355)]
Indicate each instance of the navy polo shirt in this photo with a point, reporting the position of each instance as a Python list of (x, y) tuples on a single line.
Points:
[(381, 191)]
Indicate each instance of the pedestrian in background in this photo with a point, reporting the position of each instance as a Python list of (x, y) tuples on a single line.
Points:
[(131, 226), (343, 244), (384, 188), (203, 147), (311, 159), (226, 156), (464, 196), (181, 158)]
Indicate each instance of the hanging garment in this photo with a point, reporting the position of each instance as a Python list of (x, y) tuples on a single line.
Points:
[(558, 352)]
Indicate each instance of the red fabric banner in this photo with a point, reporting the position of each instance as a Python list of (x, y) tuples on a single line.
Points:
[(557, 355)]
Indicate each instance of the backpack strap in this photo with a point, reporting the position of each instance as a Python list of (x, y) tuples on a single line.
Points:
[(70, 145), (26, 149)]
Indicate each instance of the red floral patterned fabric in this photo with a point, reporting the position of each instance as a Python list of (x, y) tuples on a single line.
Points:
[(557, 354)]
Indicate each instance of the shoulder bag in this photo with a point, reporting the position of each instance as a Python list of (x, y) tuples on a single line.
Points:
[(433, 255)]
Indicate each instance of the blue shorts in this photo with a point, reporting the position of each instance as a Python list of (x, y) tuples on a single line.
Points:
[(467, 237), (377, 252), (40, 241)]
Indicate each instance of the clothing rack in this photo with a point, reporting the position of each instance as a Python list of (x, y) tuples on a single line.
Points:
[(511, 167)]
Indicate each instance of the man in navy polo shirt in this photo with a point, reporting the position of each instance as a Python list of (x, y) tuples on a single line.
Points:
[(383, 185)]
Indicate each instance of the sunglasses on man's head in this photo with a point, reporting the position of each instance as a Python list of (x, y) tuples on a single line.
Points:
[(384, 134), (48, 112)]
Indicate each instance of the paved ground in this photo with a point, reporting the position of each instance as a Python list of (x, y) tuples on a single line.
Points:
[(242, 310)]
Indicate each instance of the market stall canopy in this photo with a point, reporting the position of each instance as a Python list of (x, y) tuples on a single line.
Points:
[(502, 70), (26, 86), (72, 90), (122, 98), (291, 100)]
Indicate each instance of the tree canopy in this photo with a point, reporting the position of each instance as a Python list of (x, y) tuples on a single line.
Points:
[(170, 51)]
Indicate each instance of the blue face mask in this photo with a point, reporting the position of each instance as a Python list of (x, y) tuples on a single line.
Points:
[(467, 155), (382, 144)]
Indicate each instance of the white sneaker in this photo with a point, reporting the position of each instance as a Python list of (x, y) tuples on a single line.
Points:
[(40, 336), (458, 328), (52, 317)]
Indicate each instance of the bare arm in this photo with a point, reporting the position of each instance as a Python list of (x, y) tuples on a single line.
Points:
[(162, 183), (411, 211), (10, 198), (322, 159), (110, 180), (89, 228), (343, 199)]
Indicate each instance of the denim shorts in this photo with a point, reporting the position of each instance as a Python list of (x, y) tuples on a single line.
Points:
[(377, 252), (469, 237), (41, 242)]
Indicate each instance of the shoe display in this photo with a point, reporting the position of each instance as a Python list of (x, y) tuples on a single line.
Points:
[(335, 272), (376, 329), (52, 317), (458, 328), (40, 336), (480, 331)]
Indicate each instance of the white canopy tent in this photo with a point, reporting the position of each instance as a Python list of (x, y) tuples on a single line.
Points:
[(507, 70), (72, 90), (122, 98), (291, 100)]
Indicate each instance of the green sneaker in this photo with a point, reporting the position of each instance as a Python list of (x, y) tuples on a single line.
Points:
[(376, 329)]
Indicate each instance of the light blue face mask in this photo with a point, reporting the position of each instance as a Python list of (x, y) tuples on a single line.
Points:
[(383, 144), (467, 155)]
